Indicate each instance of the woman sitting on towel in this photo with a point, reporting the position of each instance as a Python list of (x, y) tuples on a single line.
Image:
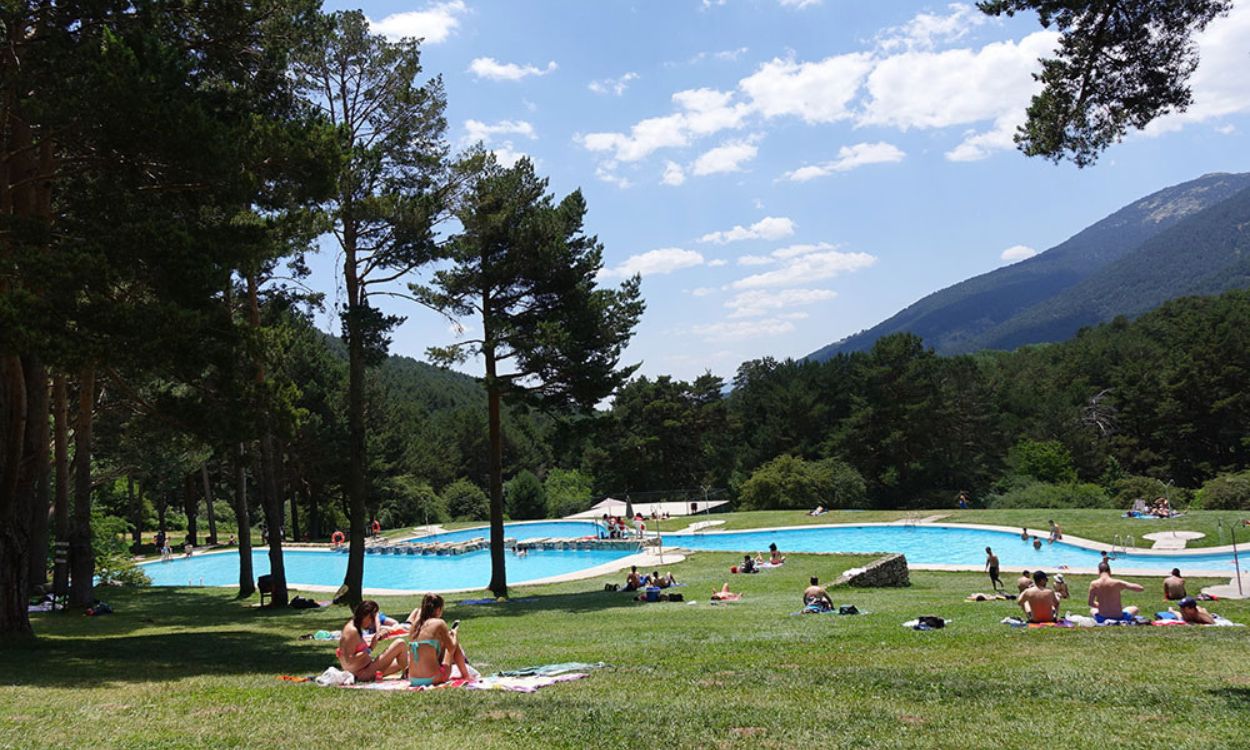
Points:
[(774, 555), (355, 650), (435, 647)]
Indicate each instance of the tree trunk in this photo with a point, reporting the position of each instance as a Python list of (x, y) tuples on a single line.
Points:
[(498, 561), (273, 520), (162, 505), (136, 514), (314, 518), (37, 430), (60, 505), (14, 507), (190, 506), (247, 583), (293, 494), (81, 556), (354, 578), (208, 502)]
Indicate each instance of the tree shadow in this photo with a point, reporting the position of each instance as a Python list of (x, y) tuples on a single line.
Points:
[(1237, 697), (570, 602)]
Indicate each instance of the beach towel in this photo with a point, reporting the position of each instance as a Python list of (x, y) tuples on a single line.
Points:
[(550, 670), (1017, 622)]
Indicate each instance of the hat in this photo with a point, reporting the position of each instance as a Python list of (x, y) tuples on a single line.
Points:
[(1059, 577), (1187, 602)]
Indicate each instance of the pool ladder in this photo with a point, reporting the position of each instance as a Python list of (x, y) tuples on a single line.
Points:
[(1122, 544)]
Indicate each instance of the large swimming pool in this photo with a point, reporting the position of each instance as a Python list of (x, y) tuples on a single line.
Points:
[(938, 545), (406, 572), (518, 531)]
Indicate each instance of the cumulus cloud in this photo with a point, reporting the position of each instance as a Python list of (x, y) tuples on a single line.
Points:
[(606, 172), (492, 69), (614, 86), (434, 24), (760, 302), (928, 30), (799, 4), (849, 157), (727, 157), (476, 130), (793, 251), (754, 260), (654, 263), (717, 262), (1220, 85), (807, 268), (1017, 253), (743, 329), (816, 92), (507, 155), (767, 228), (673, 174)]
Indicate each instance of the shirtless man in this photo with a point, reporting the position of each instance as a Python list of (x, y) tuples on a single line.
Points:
[(1104, 596), (1039, 603), (633, 581), (815, 594), (1174, 586), (1037, 543), (1193, 614), (1025, 581), (991, 567)]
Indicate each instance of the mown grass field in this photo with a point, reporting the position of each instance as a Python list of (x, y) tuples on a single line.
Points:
[(1097, 525), (193, 668)]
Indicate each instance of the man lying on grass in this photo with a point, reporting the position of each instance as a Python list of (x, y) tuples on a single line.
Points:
[(1039, 603)]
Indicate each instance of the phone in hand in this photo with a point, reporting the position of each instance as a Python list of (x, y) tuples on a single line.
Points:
[(455, 624)]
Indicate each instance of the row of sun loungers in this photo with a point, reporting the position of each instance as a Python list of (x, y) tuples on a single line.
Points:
[(480, 543)]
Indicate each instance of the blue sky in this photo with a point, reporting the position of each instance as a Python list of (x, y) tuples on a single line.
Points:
[(787, 172)]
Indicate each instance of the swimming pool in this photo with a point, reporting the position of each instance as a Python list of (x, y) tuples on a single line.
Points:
[(518, 531), (404, 572), (941, 545)]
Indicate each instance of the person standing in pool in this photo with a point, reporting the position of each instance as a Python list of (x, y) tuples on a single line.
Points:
[(1104, 596), (991, 567), (1024, 534), (1037, 543)]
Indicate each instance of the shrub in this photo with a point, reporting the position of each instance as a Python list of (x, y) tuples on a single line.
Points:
[(1226, 492), (406, 501), (120, 570), (525, 497), (568, 492), (466, 501), (1129, 488), (1033, 494), (1045, 461), (791, 482)]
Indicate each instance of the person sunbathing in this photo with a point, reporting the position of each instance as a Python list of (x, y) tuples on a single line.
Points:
[(1061, 586), (662, 581), (1174, 586), (748, 565), (1104, 596), (355, 649), (435, 647), (725, 595), (1191, 613), (775, 557), (1025, 581), (816, 596), (1039, 603), (633, 581), (819, 509)]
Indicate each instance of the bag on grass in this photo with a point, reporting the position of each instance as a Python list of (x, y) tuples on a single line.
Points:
[(932, 622)]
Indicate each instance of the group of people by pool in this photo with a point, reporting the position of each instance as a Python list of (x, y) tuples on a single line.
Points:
[(1040, 600), (423, 647)]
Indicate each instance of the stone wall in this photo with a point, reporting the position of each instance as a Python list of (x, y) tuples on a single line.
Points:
[(888, 571)]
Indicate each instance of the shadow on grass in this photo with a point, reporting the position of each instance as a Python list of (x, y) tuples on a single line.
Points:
[(1237, 697), (581, 602)]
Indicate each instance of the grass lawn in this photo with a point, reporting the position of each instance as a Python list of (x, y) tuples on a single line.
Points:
[(192, 667), (1097, 525)]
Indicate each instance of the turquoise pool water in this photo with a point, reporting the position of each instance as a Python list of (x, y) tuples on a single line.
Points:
[(518, 531), (936, 545), (411, 572)]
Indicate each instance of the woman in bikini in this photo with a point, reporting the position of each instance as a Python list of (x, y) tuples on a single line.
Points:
[(435, 647), (355, 651)]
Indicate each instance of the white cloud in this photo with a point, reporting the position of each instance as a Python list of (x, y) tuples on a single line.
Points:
[(743, 329), (655, 263), (805, 269), (759, 302), (434, 24), (1227, 129), (717, 262), (927, 30), (793, 251), (614, 86), (849, 157), (1017, 253), (476, 130), (977, 146), (507, 155), (799, 4), (754, 260), (1220, 85), (817, 92), (725, 55), (673, 174), (767, 228), (489, 67), (607, 173), (727, 157), (702, 291)]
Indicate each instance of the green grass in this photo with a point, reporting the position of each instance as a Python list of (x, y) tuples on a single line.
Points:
[(1097, 525), (191, 667)]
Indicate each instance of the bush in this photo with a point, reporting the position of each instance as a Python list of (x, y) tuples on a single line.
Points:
[(525, 497), (1226, 492), (1033, 494), (406, 501), (1129, 488), (113, 565), (1045, 461), (568, 492), (120, 570), (466, 501), (788, 482)]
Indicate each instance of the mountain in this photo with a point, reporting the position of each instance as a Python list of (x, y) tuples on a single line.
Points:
[(1185, 239)]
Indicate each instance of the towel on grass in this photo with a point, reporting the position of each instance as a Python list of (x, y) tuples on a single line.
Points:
[(482, 602), (1016, 622), (525, 680)]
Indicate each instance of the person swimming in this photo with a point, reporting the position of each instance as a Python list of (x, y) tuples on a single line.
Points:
[(436, 648), (355, 651)]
